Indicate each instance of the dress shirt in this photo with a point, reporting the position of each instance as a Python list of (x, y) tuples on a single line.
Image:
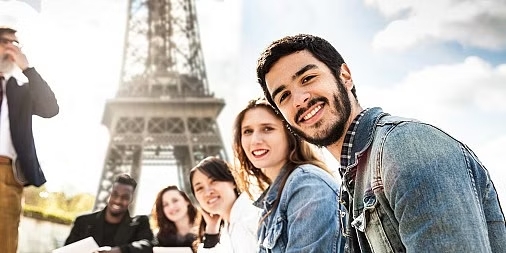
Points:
[(6, 147)]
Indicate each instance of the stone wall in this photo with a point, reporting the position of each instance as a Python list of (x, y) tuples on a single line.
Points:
[(36, 236)]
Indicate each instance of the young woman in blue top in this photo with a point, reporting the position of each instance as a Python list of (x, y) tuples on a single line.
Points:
[(300, 197)]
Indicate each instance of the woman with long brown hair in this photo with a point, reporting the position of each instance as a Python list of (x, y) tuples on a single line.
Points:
[(300, 195), (175, 218)]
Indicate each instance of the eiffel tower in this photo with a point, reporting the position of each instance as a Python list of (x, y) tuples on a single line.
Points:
[(163, 114)]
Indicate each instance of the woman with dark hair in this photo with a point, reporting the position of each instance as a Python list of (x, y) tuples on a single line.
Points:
[(300, 195), (174, 218), (225, 210)]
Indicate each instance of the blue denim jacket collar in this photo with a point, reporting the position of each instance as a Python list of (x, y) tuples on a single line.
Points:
[(364, 135), (269, 196)]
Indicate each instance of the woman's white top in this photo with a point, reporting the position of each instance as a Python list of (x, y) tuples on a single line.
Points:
[(240, 235)]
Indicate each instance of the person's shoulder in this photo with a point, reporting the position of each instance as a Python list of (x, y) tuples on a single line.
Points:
[(306, 172), (88, 215), (311, 169), (312, 173), (402, 124), (244, 198), (140, 218), (86, 218), (405, 132), (244, 204)]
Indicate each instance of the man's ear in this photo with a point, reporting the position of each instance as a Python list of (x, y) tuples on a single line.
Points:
[(345, 76)]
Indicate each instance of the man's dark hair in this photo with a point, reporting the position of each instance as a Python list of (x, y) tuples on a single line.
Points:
[(318, 47), (6, 30), (126, 179)]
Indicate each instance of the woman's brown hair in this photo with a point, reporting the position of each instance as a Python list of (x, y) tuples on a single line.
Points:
[(160, 221), (219, 170), (300, 152)]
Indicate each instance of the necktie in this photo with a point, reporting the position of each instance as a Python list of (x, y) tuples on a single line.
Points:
[(1, 90)]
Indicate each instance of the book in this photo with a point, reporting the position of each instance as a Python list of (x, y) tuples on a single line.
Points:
[(172, 250), (86, 245)]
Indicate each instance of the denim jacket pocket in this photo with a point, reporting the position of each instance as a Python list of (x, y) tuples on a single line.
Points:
[(272, 237), (377, 226)]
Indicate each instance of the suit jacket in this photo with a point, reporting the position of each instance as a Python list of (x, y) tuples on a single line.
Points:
[(32, 98), (134, 234)]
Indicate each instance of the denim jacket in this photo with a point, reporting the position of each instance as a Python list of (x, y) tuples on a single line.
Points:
[(306, 218), (417, 189)]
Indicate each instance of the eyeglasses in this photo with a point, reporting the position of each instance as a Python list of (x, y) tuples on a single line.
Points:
[(5, 41)]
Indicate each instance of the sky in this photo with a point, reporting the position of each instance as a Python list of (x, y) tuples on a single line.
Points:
[(442, 62)]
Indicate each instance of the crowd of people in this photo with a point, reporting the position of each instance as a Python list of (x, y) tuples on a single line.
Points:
[(407, 186)]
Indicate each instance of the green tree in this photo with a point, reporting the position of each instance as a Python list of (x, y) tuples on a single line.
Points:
[(55, 206)]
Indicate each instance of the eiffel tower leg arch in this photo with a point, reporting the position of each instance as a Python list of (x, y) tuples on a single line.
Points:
[(164, 138), (163, 114)]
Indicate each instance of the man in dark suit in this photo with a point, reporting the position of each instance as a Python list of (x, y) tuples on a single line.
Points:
[(19, 165), (112, 228)]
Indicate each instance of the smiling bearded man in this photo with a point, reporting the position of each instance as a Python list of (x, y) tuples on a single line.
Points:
[(404, 181)]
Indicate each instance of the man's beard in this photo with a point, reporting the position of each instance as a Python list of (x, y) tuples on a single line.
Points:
[(6, 65), (330, 135)]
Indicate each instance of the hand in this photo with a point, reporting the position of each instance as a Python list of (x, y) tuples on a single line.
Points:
[(17, 56), (213, 222), (107, 249)]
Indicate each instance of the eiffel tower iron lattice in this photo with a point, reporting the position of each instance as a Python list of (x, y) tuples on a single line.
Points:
[(163, 114)]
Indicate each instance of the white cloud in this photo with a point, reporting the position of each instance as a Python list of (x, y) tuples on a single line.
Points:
[(473, 23), (15, 13), (220, 26), (444, 89), (469, 83)]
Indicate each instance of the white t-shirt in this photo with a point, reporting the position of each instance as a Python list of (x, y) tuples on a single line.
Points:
[(6, 147), (241, 233)]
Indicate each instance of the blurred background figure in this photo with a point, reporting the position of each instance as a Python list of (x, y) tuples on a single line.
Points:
[(113, 226), (175, 218), (225, 210), (19, 164)]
